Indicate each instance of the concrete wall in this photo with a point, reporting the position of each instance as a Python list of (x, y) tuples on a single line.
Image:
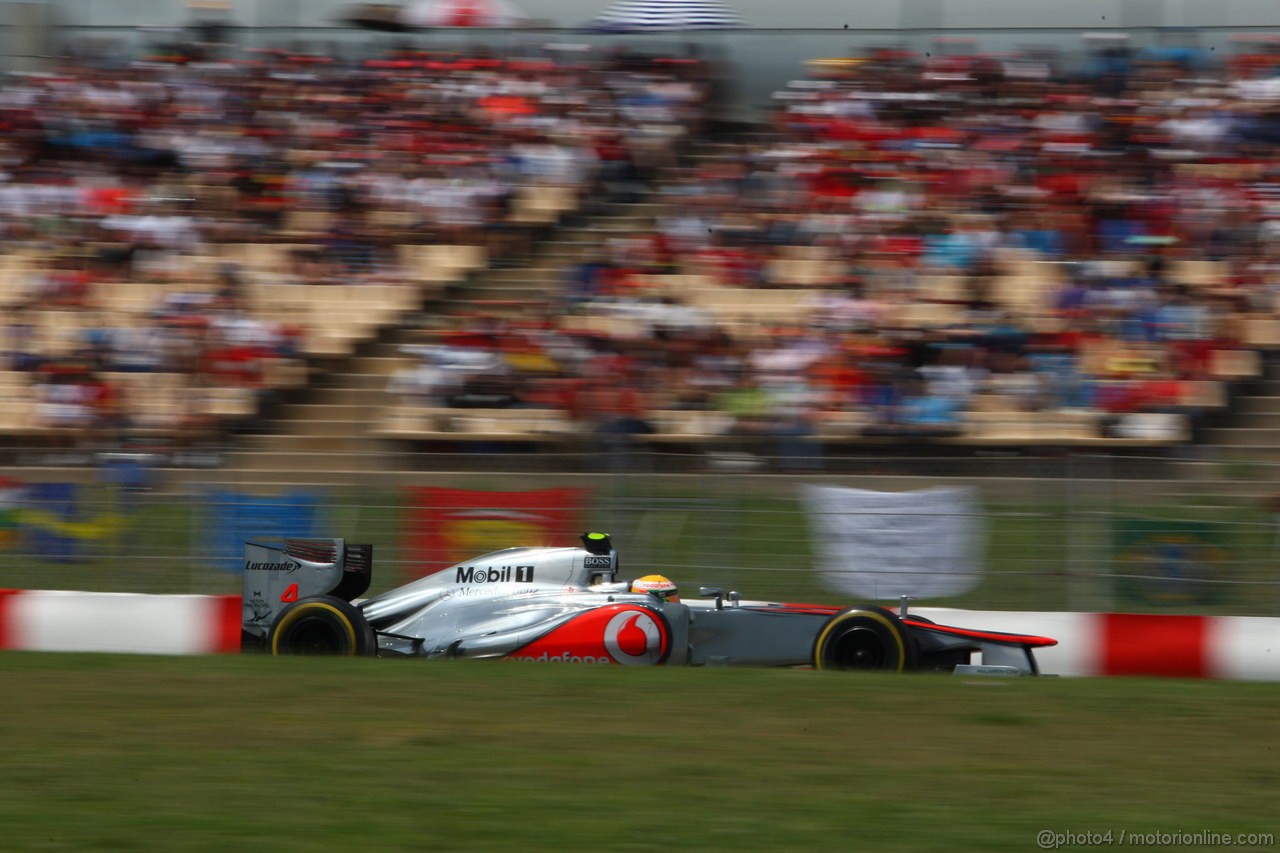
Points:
[(781, 36), (826, 14), (26, 33)]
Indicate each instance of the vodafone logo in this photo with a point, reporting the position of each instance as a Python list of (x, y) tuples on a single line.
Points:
[(634, 638), (618, 633)]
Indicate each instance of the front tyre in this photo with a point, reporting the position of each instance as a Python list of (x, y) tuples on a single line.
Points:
[(864, 638), (321, 625)]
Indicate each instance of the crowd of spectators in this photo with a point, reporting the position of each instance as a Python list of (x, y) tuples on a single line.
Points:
[(949, 234), (174, 170), (956, 234)]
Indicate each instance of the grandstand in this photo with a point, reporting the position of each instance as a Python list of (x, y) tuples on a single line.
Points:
[(497, 262)]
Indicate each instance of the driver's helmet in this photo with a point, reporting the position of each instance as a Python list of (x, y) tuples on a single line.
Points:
[(656, 585)]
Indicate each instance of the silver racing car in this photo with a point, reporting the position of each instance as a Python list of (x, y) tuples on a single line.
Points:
[(302, 596)]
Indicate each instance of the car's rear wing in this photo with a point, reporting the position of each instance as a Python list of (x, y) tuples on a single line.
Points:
[(276, 574)]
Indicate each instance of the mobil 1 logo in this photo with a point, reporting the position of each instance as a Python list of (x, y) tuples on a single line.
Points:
[(494, 574)]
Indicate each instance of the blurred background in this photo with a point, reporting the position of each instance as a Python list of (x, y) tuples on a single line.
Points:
[(788, 300)]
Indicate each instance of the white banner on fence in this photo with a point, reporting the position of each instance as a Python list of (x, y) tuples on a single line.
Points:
[(882, 545)]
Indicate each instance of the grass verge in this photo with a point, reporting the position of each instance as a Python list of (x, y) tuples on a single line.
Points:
[(139, 753)]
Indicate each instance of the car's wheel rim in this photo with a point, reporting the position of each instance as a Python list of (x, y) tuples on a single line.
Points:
[(314, 635), (858, 649)]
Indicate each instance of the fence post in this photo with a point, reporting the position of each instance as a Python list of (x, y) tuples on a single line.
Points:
[(1085, 541)]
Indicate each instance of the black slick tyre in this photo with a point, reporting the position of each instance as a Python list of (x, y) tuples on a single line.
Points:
[(321, 625), (864, 638)]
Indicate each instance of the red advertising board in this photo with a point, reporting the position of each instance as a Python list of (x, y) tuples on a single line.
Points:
[(447, 526)]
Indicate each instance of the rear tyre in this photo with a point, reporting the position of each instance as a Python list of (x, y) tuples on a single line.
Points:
[(864, 638), (321, 625)]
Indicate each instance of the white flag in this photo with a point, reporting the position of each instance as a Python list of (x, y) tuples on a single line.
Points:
[(881, 545)]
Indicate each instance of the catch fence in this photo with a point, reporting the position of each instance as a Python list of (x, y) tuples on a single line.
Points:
[(1064, 531)]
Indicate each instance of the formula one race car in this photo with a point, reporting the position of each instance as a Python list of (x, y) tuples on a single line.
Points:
[(567, 605)]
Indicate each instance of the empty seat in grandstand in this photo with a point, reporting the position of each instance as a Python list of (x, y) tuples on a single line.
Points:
[(1198, 273), (15, 284), (443, 263), (1023, 427), (676, 285), (1204, 394), (264, 259), (127, 297), (994, 400), (405, 421), (924, 315), (807, 252), (842, 425), (389, 219), (801, 272), (390, 300), (215, 197), (1262, 332), (59, 332), (331, 339), (547, 423), (1024, 294), (201, 271), (354, 306), (151, 401), (425, 422), (271, 300), (307, 223), (745, 306), (15, 388), (297, 295), (1235, 364), (229, 402), (942, 288), (542, 205), (678, 425), (719, 296), (723, 300), (18, 416), (604, 326), (284, 373)]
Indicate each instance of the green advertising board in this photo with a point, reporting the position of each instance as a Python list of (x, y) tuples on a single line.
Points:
[(1165, 562)]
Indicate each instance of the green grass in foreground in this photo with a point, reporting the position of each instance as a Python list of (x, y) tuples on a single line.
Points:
[(136, 753)]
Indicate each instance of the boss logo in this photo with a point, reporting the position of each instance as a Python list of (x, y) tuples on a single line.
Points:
[(598, 563)]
